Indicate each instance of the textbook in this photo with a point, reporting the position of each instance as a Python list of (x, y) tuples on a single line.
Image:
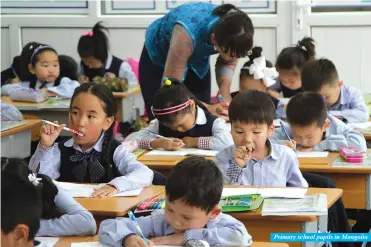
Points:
[(288, 192), (309, 205), (315, 154)]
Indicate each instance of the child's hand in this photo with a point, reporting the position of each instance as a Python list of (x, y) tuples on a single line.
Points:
[(175, 239), (305, 149), (242, 155), (136, 241), (49, 134), (105, 191), (83, 79), (273, 93), (190, 142), (174, 145), (14, 80), (291, 144)]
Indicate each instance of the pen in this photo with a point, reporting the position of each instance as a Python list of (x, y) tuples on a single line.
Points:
[(163, 137), (284, 129), (221, 98), (139, 231), (65, 128)]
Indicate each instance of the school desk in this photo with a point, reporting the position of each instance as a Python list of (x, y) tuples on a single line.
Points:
[(16, 142), (66, 242), (111, 207), (355, 181)]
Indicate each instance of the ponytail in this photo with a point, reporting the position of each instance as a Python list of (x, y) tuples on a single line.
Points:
[(256, 52)]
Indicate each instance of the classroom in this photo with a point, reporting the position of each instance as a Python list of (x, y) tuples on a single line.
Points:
[(185, 123)]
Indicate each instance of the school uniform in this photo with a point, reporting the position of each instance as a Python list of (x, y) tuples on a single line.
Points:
[(6, 89), (224, 230), (337, 135), (75, 221), (213, 133), (286, 92), (66, 162), (113, 65), (280, 168), (10, 112), (351, 105)]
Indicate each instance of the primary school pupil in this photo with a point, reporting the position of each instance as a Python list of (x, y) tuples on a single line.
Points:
[(39, 68), (259, 74), (94, 157), (61, 214), (254, 160), (289, 64), (343, 101), (193, 191), (96, 61), (184, 119)]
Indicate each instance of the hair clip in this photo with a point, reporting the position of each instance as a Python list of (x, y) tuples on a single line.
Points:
[(168, 82), (90, 34), (232, 11), (33, 179), (31, 46)]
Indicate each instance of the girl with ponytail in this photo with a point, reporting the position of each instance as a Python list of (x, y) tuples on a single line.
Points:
[(94, 157), (96, 61)]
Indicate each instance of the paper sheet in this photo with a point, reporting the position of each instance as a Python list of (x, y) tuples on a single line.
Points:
[(97, 244), (267, 192), (85, 190), (311, 154), (48, 240), (360, 125), (183, 152)]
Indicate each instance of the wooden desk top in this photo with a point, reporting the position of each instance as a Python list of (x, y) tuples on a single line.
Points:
[(29, 124), (118, 206), (66, 242)]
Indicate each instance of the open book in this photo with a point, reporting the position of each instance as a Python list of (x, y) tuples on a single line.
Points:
[(86, 190), (183, 152), (309, 205), (267, 192)]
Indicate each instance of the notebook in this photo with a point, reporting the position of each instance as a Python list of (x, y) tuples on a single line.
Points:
[(86, 190), (183, 152), (47, 240), (267, 192), (315, 154), (7, 125), (309, 205), (97, 244)]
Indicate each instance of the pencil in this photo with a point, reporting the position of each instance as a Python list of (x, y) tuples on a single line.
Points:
[(65, 128)]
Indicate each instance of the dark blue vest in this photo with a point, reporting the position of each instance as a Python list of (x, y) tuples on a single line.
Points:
[(66, 174), (196, 131), (114, 68)]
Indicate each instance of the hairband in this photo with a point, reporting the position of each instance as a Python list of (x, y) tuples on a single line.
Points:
[(41, 47), (33, 179), (260, 71), (90, 34), (170, 110)]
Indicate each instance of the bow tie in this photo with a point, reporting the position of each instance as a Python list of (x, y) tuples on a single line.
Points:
[(87, 161)]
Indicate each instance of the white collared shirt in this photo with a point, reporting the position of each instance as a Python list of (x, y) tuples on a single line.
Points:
[(220, 139)]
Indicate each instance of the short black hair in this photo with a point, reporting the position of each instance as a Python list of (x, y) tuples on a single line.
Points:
[(306, 108), (318, 73), (20, 204), (252, 107), (197, 181)]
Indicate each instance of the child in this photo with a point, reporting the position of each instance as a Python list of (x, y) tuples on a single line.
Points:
[(42, 68), (20, 212), (93, 48), (313, 129), (61, 214), (253, 159), (93, 157), (289, 64), (259, 74), (180, 116), (11, 74), (193, 191), (10, 112), (344, 101)]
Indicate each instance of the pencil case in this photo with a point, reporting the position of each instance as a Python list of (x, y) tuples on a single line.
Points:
[(351, 155), (241, 203)]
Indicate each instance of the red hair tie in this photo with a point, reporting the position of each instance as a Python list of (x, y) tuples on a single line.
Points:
[(87, 34)]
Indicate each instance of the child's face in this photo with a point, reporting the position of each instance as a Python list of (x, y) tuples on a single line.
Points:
[(46, 68), (16, 238), (92, 62), (309, 136), (249, 83), (331, 93), (251, 135), (182, 217), (290, 79), (87, 115), (184, 122)]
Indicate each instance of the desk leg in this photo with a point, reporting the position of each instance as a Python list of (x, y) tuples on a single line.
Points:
[(368, 192), (314, 227)]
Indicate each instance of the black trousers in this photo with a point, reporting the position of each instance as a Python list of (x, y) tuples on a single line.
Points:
[(150, 78)]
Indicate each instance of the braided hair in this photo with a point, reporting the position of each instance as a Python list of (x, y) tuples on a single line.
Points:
[(110, 108)]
